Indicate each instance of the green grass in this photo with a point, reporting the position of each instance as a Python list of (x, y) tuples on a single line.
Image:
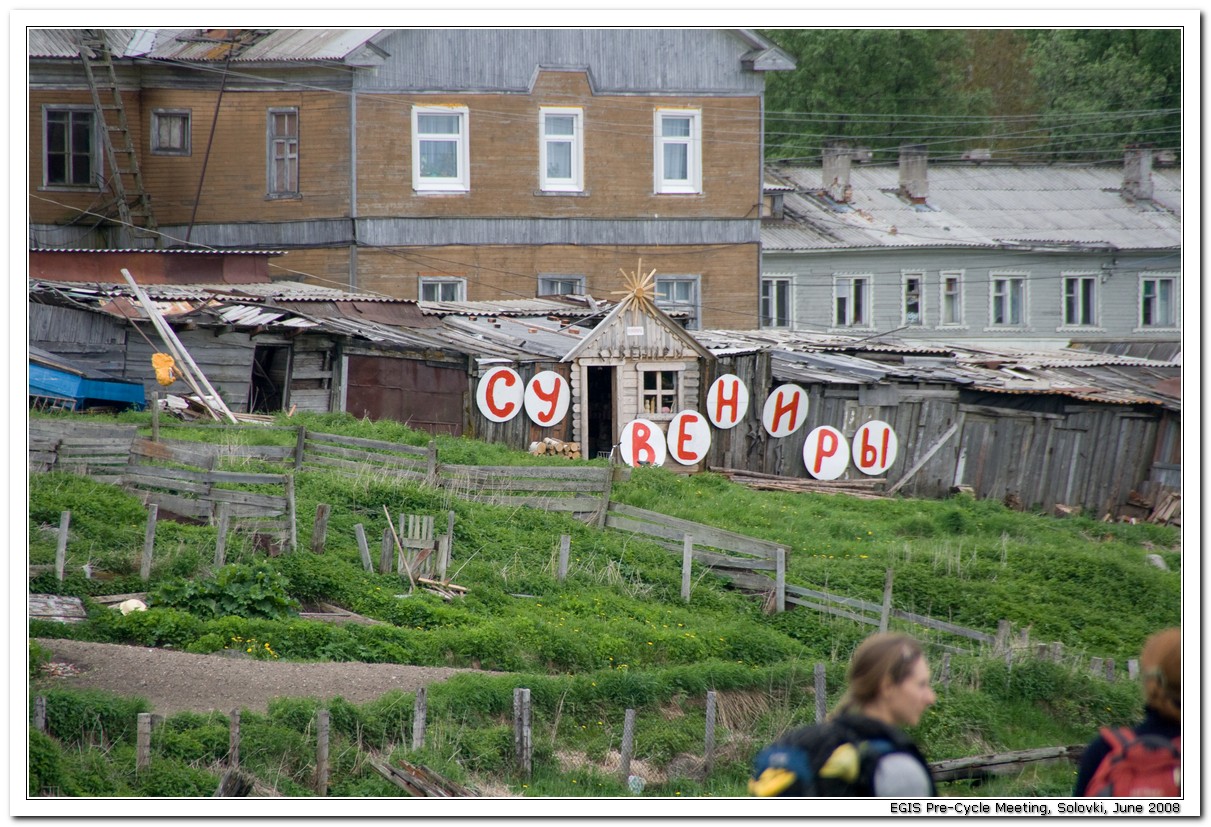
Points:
[(615, 634)]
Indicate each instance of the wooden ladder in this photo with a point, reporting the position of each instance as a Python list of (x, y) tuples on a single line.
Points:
[(126, 181)]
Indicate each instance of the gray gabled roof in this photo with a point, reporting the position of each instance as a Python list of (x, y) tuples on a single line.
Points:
[(986, 205), (205, 45)]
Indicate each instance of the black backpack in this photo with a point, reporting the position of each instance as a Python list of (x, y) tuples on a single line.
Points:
[(832, 758)]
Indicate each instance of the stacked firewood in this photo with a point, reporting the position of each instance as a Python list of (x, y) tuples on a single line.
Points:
[(558, 447), (863, 489)]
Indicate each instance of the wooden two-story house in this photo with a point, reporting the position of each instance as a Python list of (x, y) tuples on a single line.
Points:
[(977, 251), (430, 164)]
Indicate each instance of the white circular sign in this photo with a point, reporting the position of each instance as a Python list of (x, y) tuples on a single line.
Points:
[(727, 401), (689, 437), (642, 443), (785, 410), (499, 394), (826, 453), (875, 447), (547, 398)]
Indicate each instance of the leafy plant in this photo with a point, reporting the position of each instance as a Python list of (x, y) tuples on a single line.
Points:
[(237, 589)]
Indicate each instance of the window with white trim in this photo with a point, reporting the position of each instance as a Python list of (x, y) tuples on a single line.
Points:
[(775, 306), (1158, 301), (70, 147), (170, 131), (283, 151), (678, 146), (1008, 301), (679, 293), (1080, 300), (952, 298), (914, 299), (660, 394), (560, 285), (441, 156), (439, 289), (561, 149), (851, 301)]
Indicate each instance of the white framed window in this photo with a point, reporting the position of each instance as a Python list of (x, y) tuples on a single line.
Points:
[(170, 131), (442, 289), (560, 285), (283, 151), (1080, 299), (1158, 301), (1008, 300), (679, 293), (913, 307), (71, 150), (441, 155), (775, 306), (952, 298), (678, 146), (561, 149), (851, 301), (660, 394)]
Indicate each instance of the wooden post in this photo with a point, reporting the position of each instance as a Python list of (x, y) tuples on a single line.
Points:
[(1110, 669), (233, 744), (780, 580), (444, 560), (821, 694), (1004, 630), (687, 559), (431, 465), (292, 513), (522, 743), (708, 760), (319, 532), (1133, 668), (946, 672), (604, 510), (300, 445), (628, 744), (1096, 666), (388, 552), (61, 548), (1057, 652), (149, 542), (565, 547), (321, 752), (143, 741), (420, 711), (155, 416), (886, 615), (220, 546), (362, 547), (40, 713)]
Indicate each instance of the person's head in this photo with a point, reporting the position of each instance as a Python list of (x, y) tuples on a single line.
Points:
[(889, 680), (1161, 668)]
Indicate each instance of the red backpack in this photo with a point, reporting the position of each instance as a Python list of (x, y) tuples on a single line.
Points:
[(1138, 765)]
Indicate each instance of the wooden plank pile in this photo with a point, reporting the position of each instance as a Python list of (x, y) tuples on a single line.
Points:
[(555, 447), (57, 608), (420, 782), (1168, 510), (869, 489)]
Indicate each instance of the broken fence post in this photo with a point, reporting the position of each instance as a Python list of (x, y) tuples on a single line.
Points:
[(780, 580), (1004, 629), (444, 560), (40, 713), (885, 616), (821, 695), (321, 752), (388, 552), (628, 744), (61, 547), (149, 542), (1110, 669), (143, 741), (362, 547), (565, 547), (431, 464), (233, 743), (687, 559), (220, 546), (946, 671), (522, 740), (420, 711), (319, 532), (1133, 668), (708, 755)]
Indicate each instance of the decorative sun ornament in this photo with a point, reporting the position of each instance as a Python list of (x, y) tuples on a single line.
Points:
[(640, 290)]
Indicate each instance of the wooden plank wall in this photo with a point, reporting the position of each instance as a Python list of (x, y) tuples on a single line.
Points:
[(519, 431)]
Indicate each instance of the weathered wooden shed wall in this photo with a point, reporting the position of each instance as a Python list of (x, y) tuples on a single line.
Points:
[(519, 431), (1040, 450)]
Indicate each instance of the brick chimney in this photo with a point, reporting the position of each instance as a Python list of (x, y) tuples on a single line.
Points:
[(837, 159), (914, 181), (1137, 172)]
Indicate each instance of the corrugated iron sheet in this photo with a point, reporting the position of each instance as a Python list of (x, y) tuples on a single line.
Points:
[(264, 45)]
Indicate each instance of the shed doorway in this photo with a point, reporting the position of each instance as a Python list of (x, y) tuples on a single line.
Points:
[(267, 389), (600, 434)]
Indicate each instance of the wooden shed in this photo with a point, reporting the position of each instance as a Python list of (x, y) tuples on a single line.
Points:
[(637, 362)]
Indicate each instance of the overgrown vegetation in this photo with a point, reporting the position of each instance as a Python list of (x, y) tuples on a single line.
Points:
[(614, 635)]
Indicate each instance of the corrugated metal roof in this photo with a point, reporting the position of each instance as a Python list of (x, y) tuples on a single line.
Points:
[(979, 205), (256, 45), (570, 306), (168, 252)]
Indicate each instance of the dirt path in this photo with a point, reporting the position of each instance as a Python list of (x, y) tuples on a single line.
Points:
[(178, 681)]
